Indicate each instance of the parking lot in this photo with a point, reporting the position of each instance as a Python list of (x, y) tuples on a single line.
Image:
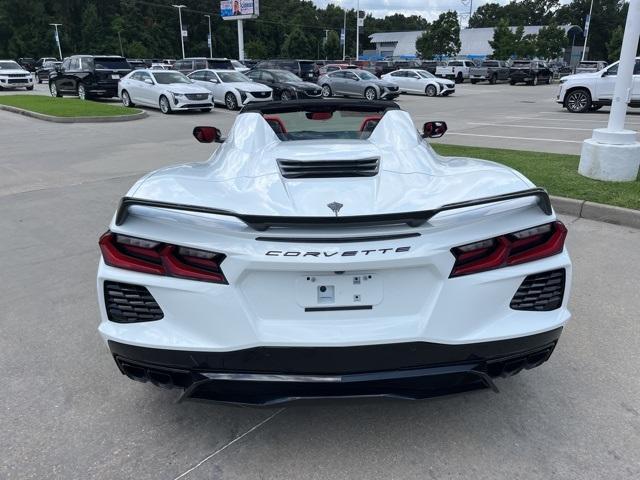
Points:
[(500, 116), (69, 414)]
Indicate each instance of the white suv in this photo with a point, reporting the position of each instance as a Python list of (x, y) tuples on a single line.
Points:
[(585, 92), (13, 75)]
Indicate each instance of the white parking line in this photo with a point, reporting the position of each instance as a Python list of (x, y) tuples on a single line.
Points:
[(526, 126), (570, 119), (515, 138)]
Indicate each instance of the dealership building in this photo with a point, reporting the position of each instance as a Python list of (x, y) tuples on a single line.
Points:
[(474, 41)]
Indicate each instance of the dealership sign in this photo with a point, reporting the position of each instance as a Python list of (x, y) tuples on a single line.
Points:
[(239, 9)]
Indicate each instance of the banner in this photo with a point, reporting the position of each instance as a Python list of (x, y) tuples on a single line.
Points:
[(239, 9), (342, 36), (208, 40), (55, 35)]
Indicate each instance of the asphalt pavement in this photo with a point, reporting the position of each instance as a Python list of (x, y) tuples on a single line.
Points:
[(68, 413)]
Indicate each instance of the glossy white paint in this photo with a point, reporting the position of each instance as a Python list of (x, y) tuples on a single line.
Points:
[(261, 306)]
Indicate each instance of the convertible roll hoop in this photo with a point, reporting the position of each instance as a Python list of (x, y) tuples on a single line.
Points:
[(264, 222)]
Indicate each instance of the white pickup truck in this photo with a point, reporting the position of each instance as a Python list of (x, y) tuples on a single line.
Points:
[(585, 92), (457, 70)]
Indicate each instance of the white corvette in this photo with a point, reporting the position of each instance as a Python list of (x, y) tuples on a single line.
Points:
[(325, 250), (164, 89)]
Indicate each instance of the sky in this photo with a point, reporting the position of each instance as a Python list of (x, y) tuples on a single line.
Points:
[(429, 9)]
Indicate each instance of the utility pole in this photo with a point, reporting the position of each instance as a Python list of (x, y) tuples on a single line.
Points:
[(586, 32), (210, 38), (180, 7), (326, 32), (56, 25)]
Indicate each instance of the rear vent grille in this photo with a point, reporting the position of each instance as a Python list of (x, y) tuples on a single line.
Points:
[(366, 167), (128, 303), (540, 292)]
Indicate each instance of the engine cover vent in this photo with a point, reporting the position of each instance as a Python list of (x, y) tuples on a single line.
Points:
[(365, 167)]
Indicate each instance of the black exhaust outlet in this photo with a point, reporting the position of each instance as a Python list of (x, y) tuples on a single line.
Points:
[(160, 379)]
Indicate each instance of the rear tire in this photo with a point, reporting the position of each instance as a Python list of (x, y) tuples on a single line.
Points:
[(230, 101), (512, 82), (30, 88), (126, 99), (459, 78), (82, 92), (578, 101), (165, 106), (494, 79), (548, 82), (473, 82), (326, 91), (431, 91), (370, 94), (54, 90)]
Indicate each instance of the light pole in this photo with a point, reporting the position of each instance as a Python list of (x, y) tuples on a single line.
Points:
[(180, 7), (586, 32), (344, 40), (120, 40), (56, 25), (357, 30), (210, 37), (613, 153)]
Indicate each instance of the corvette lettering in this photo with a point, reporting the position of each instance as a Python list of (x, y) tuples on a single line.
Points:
[(323, 254)]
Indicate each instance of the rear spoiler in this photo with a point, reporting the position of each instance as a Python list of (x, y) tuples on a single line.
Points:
[(262, 222)]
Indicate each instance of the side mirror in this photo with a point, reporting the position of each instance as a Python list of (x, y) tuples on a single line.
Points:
[(208, 135), (434, 129), (213, 80), (148, 81)]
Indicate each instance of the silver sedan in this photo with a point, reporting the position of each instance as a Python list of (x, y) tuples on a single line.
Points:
[(357, 83)]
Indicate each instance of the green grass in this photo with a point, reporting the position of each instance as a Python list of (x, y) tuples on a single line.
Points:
[(65, 107), (557, 173)]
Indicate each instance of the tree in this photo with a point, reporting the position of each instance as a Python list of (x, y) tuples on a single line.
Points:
[(445, 34), (487, 15), (614, 45), (551, 41), (297, 45), (503, 43), (424, 44), (254, 49), (332, 45)]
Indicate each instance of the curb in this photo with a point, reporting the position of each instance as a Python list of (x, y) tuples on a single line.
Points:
[(597, 211), (50, 118)]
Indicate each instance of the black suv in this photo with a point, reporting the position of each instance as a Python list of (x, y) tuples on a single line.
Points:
[(43, 71), (530, 72), (285, 85), (188, 65), (307, 70), (88, 76)]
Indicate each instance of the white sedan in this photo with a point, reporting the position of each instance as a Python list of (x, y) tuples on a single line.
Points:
[(165, 89), (420, 81), (232, 88)]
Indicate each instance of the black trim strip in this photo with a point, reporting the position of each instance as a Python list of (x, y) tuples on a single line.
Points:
[(337, 309), (375, 238), (264, 222)]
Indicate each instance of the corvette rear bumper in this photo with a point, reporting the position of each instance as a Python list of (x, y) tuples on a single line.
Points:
[(272, 375)]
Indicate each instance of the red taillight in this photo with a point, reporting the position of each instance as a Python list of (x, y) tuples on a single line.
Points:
[(511, 249), (147, 256)]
